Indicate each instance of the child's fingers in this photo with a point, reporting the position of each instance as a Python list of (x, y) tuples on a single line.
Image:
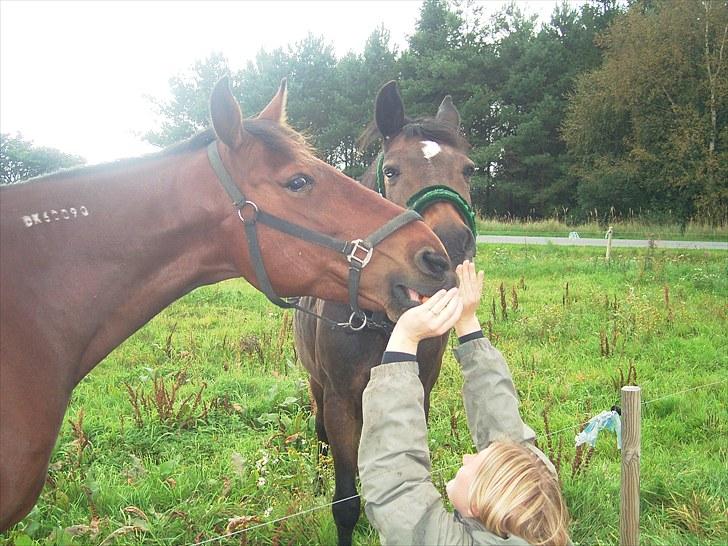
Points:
[(475, 280), (452, 305), (468, 270), (441, 303), (461, 271), (450, 315), (468, 279), (436, 297), (471, 273), (443, 321)]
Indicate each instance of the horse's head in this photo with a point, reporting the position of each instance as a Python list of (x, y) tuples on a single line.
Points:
[(274, 169), (425, 164)]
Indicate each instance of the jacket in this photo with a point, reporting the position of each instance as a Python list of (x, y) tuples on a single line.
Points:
[(394, 461)]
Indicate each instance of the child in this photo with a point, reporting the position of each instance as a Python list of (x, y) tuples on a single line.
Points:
[(507, 493)]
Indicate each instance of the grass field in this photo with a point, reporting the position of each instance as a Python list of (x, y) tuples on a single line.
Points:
[(624, 228), (135, 467)]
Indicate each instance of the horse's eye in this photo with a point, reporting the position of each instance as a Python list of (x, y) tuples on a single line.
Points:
[(469, 171), (390, 172), (298, 183)]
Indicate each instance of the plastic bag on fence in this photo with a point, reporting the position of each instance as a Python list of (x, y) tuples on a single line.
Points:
[(608, 420)]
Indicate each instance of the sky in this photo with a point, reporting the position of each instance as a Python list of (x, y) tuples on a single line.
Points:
[(76, 75)]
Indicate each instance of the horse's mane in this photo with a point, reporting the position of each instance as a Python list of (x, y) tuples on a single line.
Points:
[(195, 142), (281, 139), (422, 128)]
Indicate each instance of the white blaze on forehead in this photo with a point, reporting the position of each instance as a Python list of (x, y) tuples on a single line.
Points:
[(430, 149)]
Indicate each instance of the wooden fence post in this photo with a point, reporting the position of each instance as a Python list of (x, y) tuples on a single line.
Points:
[(629, 507), (608, 256)]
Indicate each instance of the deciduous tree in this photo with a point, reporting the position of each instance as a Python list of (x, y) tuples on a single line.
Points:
[(20, 159), (648, 129)]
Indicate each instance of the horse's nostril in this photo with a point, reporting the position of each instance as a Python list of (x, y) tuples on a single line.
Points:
[(433, 263)]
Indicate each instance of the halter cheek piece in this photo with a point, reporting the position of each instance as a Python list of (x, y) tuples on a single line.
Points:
[(357, 252)]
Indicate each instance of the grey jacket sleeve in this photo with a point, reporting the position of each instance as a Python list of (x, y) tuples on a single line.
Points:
[(491, 404), (394, 462)]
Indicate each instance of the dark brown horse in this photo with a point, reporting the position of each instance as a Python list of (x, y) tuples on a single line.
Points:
[(417, 160), (88, 256)]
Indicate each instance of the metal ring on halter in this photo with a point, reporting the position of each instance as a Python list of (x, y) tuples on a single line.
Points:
[(354, 315), (240, 212)]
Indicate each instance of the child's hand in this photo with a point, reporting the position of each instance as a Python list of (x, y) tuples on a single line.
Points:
[(471, 290), (432, 318)]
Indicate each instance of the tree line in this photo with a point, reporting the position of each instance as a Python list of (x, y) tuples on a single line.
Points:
[(610, 108), (20, 159)]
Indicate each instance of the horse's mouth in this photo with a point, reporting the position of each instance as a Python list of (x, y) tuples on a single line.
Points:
[(416, 296), (406, 297)]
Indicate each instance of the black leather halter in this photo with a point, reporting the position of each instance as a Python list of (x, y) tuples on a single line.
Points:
[(357, 252)]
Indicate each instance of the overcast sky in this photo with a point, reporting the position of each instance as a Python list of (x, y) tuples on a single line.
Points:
[(74, 75)]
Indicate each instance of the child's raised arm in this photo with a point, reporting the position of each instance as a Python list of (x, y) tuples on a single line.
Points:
[(489, 395)]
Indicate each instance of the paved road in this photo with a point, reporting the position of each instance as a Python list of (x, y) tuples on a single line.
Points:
[(518, 239)]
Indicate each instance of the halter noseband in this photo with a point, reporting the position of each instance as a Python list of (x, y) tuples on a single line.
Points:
[(357, 252)]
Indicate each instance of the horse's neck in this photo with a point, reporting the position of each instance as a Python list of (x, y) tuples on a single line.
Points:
[(139, 239)]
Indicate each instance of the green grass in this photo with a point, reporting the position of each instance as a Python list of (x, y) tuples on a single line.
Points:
[(623, 229), (252, 452)]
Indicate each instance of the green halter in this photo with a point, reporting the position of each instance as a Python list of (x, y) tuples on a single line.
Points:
[(431, 194)]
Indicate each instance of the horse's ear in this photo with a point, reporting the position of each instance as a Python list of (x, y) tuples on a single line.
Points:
[(448, 114), (276, 108), (389, 110), (227, 119)]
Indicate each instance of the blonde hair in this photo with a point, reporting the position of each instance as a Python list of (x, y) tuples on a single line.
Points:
[(514, 492)]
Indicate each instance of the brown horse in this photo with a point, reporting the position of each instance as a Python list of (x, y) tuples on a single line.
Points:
[(89, 255), (418, 158)]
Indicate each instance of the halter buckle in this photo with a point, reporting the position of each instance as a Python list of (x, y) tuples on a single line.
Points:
[(352, 257), (240, 208)]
